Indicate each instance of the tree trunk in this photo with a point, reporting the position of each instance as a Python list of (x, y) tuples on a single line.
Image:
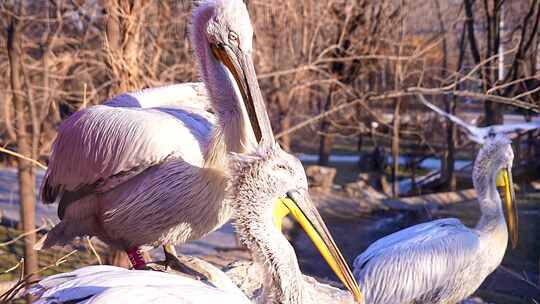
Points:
[(370, 87), (25, 171), (284, 125), (398, 82), (449, 174), (448, 177), (124, 23), (395, 149), (8, 114), (325, 148), (284, 120), (414, 186), (353, 18), (326, 140), (493, 113), (359, 145), (492, 110)]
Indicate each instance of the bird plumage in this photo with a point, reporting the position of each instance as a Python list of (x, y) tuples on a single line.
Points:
[(426, 263), (153, 161), (103, 141)]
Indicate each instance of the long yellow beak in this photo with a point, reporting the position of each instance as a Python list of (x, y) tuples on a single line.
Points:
[(506, 187), (308, 217)]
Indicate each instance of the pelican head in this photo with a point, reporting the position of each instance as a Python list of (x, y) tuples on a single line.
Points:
[(270, 183), (222, 37), (494, 161)]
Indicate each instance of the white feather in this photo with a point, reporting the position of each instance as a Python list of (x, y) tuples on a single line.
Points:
[(109, 284)]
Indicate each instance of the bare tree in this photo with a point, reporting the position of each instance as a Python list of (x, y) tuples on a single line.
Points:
[(448, 176), (24, 146), (124, 25)]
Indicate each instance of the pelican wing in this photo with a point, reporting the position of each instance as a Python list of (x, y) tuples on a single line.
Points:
[(109, 284), (417, 263), (474, 133), (190, 94), (102, 146)]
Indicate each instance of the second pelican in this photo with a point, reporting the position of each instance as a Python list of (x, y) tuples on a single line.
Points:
[(145, 169)]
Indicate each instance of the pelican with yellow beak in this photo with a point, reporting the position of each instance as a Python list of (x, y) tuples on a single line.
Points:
[(148, 168), (443, 261)]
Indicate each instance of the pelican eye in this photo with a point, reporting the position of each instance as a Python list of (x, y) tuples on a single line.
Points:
[(234, 38), (280, 166)]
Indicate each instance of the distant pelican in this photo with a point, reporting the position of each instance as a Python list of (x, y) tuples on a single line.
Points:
[(264, 183), (443, 261), (148, 168)]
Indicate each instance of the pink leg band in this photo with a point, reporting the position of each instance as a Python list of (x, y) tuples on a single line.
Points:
[(136, 258)]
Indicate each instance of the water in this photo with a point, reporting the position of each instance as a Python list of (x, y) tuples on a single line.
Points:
[(348, 171), (431, 163), (9, 199)]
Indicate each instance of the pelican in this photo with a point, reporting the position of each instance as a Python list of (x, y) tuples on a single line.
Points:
[(264, 183), (148, 168), (443, 261)]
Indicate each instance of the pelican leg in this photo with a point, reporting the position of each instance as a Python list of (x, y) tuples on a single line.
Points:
[(170, 252), (184, 264), (136, 258)]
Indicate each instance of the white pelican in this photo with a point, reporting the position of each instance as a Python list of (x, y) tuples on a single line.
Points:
[(148, 168), (262, 182), (443, 261)]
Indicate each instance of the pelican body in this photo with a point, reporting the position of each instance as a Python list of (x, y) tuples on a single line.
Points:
[(148, 168), (443, 261)]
